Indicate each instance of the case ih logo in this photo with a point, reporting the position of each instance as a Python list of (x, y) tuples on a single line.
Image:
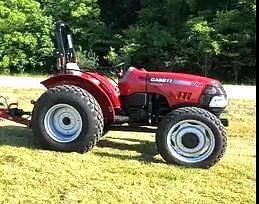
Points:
[(175, 82)]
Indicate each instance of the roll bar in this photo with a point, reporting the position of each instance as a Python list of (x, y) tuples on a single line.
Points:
[(65, 46)]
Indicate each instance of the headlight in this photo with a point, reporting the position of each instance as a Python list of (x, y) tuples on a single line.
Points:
[(218, 102), (211, 90), (214, 96)]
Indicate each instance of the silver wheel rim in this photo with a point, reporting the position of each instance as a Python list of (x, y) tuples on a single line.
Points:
[(63, 123), (191, 141)]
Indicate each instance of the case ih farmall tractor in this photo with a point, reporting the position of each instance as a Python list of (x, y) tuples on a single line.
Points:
[(79, 107)]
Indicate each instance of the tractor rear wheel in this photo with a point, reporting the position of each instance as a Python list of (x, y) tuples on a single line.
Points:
[(67, 118), (192, 137)]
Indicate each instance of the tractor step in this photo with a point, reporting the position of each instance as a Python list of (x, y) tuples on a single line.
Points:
[(225, 122), (120, 119)]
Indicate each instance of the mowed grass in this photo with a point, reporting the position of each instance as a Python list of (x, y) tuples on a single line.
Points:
[(124, 167), (25, 75)]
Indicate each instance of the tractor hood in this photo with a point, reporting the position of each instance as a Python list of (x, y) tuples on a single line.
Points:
[(177, 88), (188, 89), (180, 79)]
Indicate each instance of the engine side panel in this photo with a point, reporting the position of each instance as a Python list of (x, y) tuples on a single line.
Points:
[(135, 100), (179, 89)]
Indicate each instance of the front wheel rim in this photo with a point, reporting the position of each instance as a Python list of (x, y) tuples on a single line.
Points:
[(191, 141), (63, 123)]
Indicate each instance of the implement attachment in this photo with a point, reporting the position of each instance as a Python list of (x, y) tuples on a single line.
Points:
[(13, 113)]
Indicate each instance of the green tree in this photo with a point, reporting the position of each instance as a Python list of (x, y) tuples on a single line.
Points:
[(200, 44), (215, 38), (152, 40), (25, 42), (83, 17), (237, 30)]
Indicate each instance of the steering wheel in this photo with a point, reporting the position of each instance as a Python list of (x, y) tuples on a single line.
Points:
[(116, 70)]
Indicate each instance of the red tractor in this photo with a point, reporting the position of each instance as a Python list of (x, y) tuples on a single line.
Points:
[(79, 107)]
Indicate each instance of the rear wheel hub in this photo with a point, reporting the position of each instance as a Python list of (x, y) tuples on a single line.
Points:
[(190, 140), (63, 123)]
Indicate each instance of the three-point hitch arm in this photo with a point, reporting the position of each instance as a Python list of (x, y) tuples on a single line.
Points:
[(10, 111)]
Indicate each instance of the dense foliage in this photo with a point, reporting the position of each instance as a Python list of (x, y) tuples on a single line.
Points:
[(215, 38), (25, 36)]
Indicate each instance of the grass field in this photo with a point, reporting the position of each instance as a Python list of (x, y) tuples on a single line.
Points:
[(25, 75), (124, 168)]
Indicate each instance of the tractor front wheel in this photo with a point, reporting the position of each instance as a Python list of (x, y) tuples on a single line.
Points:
[(192, 137), (67, 118)]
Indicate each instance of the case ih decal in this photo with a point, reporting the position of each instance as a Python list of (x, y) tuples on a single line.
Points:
[(174, 81)]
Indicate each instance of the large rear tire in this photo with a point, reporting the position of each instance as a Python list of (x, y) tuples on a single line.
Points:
[(67, 118), (191, 137)]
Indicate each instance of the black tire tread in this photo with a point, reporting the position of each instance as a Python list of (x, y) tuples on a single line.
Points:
[(192, 111), (89, 100)]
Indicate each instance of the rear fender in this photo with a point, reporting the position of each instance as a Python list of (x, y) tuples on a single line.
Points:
[(89, 84)]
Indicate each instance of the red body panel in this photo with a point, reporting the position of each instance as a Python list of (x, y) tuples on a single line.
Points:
[(177, 88), (134, 81), (99, 86), (109, 88)]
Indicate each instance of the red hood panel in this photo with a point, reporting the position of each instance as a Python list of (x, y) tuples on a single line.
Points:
[(177, 88), (181, 76)]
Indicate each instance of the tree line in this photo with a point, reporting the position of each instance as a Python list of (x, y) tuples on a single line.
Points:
[(214, 38)]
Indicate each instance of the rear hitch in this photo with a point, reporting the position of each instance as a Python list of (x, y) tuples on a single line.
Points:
[(13, 113)]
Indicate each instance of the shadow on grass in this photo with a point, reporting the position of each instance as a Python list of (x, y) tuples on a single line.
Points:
[(124, 139), (146, 149), (133, 129), (16, 136)]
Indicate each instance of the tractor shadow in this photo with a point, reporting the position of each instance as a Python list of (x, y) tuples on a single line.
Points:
[(146, 149), (136, 129), (16, 136)]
